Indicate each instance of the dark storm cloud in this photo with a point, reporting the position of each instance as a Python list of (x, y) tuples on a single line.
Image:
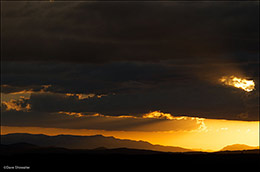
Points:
[(117, 77), (140, 31), (88, 78), (141, 56), (131, 88), (199, 101)]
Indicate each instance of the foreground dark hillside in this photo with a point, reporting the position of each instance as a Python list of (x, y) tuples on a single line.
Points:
[(123, 159)]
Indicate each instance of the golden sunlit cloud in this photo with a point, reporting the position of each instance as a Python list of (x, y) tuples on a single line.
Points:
[(153, 121), (85, 115), (151, 115), (17, 105), (85, 96), (161, 115), (81, 96), (246, 85), (23, 92), (26, 93), (76, 114)]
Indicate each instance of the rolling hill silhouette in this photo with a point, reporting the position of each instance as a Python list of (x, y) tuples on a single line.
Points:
[(25, 148), (236, 147), (123, 159), (85, 142)]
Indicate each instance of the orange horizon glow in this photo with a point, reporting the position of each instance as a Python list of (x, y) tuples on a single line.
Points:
[(219, 133)]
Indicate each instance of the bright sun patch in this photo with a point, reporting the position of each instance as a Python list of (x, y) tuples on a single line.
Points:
[(246, 85)]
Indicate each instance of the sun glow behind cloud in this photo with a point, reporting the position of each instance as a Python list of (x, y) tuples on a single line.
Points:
[(246, 85)]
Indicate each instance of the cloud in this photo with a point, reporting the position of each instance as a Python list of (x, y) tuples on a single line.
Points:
[(99, 32), (247, 85), (106, 58), (73, 120), (16, 105), (87, 78), (115, 77), (211, 103), (129, 88)]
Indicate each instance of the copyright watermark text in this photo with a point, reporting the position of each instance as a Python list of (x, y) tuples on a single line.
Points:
[(16, 167)]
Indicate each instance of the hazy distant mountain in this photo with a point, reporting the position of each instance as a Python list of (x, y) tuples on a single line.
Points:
[(24, 148), (235, 147), (84, 142)]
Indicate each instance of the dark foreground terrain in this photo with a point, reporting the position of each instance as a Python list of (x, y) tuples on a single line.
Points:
[(123, 159)]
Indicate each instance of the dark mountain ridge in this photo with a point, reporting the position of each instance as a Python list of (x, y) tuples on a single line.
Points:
[(84, 142), (123, 159)]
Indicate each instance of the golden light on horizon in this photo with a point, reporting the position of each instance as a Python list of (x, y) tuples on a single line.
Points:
[(219, 133), (246, 85)]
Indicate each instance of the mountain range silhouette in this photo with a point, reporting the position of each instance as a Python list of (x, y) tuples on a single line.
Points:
[(85, 142), (98, 142), (95, 153)]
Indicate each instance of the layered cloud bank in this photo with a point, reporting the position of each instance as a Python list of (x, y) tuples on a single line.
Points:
[(103, 65), (125, 89)]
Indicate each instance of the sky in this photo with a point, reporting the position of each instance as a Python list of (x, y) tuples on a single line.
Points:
[(171, 73)]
